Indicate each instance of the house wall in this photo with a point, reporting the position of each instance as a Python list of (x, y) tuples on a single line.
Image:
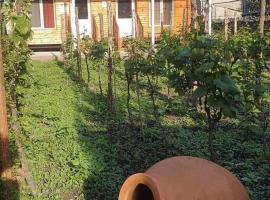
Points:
[(42, 36), (56, 35), (100, 7), (143, 10)]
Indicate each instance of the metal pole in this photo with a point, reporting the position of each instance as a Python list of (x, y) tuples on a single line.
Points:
[(153, 22), (210, 17)]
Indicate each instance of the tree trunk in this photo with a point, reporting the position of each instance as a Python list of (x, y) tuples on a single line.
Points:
[(128, 77), (139, 101), (110, 87), (99, 79), (4, 152), (210, 140), (152, 96), (87, 68), (259, 71)]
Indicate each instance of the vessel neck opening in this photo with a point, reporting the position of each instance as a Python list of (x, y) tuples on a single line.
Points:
[(142, 192)]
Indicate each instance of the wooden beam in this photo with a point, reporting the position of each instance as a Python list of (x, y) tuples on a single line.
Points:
[(4, 145)]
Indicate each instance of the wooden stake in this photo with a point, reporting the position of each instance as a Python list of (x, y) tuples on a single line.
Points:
[(110, 63), (134, 24), (101, 26), (79, 59), (226, 23), (161, 22), (262, 16), (235, 23), (184, 22)]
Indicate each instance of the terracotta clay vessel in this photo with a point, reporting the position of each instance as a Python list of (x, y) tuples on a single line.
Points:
[(183, 178)]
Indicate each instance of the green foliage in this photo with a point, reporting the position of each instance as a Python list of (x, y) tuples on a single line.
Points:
[(99, 49), (68, 51), (76, 156), (15, 49), (203, 62), (86, 44)]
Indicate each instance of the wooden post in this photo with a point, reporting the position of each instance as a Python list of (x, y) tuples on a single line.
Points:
[(235, 23), (79, 66), (194, 15), (94, 28), (101, 25), (226, 23), (153, 22), (110, 61), (161, 22), (134, 24), (262, 16), (184, 22), (210, 4), (4, 151)]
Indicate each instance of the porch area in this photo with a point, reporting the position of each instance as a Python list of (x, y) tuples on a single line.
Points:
[(128, 18)]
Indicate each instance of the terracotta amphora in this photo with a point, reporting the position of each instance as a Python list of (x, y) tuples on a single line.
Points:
[(183, 178)]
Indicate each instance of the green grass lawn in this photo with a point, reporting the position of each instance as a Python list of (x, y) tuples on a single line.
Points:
[(72, 154)]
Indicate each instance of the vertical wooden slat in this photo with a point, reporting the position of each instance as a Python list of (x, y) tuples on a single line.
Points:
[(101, 25), (94, 28), (79, 65), (184, 22), (116, 34)]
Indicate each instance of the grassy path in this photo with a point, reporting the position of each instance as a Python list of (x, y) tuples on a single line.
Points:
[(72, 155), (58, 162)]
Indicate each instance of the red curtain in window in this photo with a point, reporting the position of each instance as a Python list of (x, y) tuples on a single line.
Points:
[(48, 12)]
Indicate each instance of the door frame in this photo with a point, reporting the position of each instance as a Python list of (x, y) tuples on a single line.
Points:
[(133, 9), (72, 15)]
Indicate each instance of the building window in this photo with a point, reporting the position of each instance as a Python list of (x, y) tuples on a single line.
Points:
[(124, 9), (163, 12), (81, 5), (42, 14)]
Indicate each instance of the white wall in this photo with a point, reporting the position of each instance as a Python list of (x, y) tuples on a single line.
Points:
[(220, 5)]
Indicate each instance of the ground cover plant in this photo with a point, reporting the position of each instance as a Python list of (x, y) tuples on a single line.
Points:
[(86, 125), (69, 146)]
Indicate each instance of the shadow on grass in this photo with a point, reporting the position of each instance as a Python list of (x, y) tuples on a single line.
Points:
[(123, 150)]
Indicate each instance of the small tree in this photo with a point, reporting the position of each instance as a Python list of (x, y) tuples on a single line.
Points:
[(86, 44), (68, 51), (248, 71), (204, 61), (137, 52), (98, 53)]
